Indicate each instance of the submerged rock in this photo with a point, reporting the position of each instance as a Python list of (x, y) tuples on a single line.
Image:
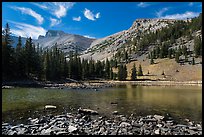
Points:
[(50, 107), (115, 112), (88, 111)]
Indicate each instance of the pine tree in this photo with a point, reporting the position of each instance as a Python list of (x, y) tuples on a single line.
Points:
[(29, 58), (186, 57), (85, 69), (149, 56), (179, 51), (47, 65), (114, 76), (80, 69), (124, 72), (7, 54), (154, 54), (151, 60), (120, 72), (197, 46), (126, 56), (107, 69), (162, 73), (157, 52), (177, 57), (116, 63), (20, 68), (70, 65), (161, 55), (185, 50), (134, 74), (193, 61), (169, 53), (165, 49), (38, 63), (91, 68), (66, 69), (111, 73), (140, 73)]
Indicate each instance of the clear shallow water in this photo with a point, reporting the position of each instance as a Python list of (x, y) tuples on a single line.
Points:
[(182, 102)]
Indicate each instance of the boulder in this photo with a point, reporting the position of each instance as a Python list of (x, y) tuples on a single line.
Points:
[(7, 87)]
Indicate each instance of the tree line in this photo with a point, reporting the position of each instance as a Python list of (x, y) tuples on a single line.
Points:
[(164, 51), (28, 61)]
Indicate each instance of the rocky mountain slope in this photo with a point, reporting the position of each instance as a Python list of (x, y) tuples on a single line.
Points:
[(106, 47), (64, 41)]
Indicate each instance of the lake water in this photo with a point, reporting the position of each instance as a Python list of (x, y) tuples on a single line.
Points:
[(181, 102)]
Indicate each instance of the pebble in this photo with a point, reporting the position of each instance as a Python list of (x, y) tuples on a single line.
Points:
[(115, 112), (158, 117), (124, 124), (159, 125), (157, 132), (72, 129), (77, 124)]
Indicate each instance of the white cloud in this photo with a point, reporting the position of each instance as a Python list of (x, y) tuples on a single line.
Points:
[(187, 14), (54, 22), (58, 9), (97, 15), (90, 37), (77, 18), (61, 12), (89, 15), (40, 5), (142, 4), (30, 12), (27, 30), (159, 13)]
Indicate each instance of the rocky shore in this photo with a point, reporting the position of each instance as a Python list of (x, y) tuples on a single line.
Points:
[(82, 85), (159, 83), (58, 84), (89, 122), (95, 84)]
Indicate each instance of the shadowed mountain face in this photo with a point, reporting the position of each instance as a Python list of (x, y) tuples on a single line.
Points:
[(54, 33), (15, 40), (64, 41)]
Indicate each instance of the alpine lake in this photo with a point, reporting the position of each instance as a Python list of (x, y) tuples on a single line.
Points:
[(181, 102)]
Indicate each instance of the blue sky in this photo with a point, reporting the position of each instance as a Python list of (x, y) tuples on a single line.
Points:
[(90, 19)]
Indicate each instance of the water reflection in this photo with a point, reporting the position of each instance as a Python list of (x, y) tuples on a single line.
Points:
[(181, 102)]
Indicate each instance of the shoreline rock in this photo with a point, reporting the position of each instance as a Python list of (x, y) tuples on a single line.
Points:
[(95, 85), (86, 124)]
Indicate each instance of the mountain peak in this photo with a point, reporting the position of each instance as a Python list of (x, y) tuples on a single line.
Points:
[(53, 33)]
